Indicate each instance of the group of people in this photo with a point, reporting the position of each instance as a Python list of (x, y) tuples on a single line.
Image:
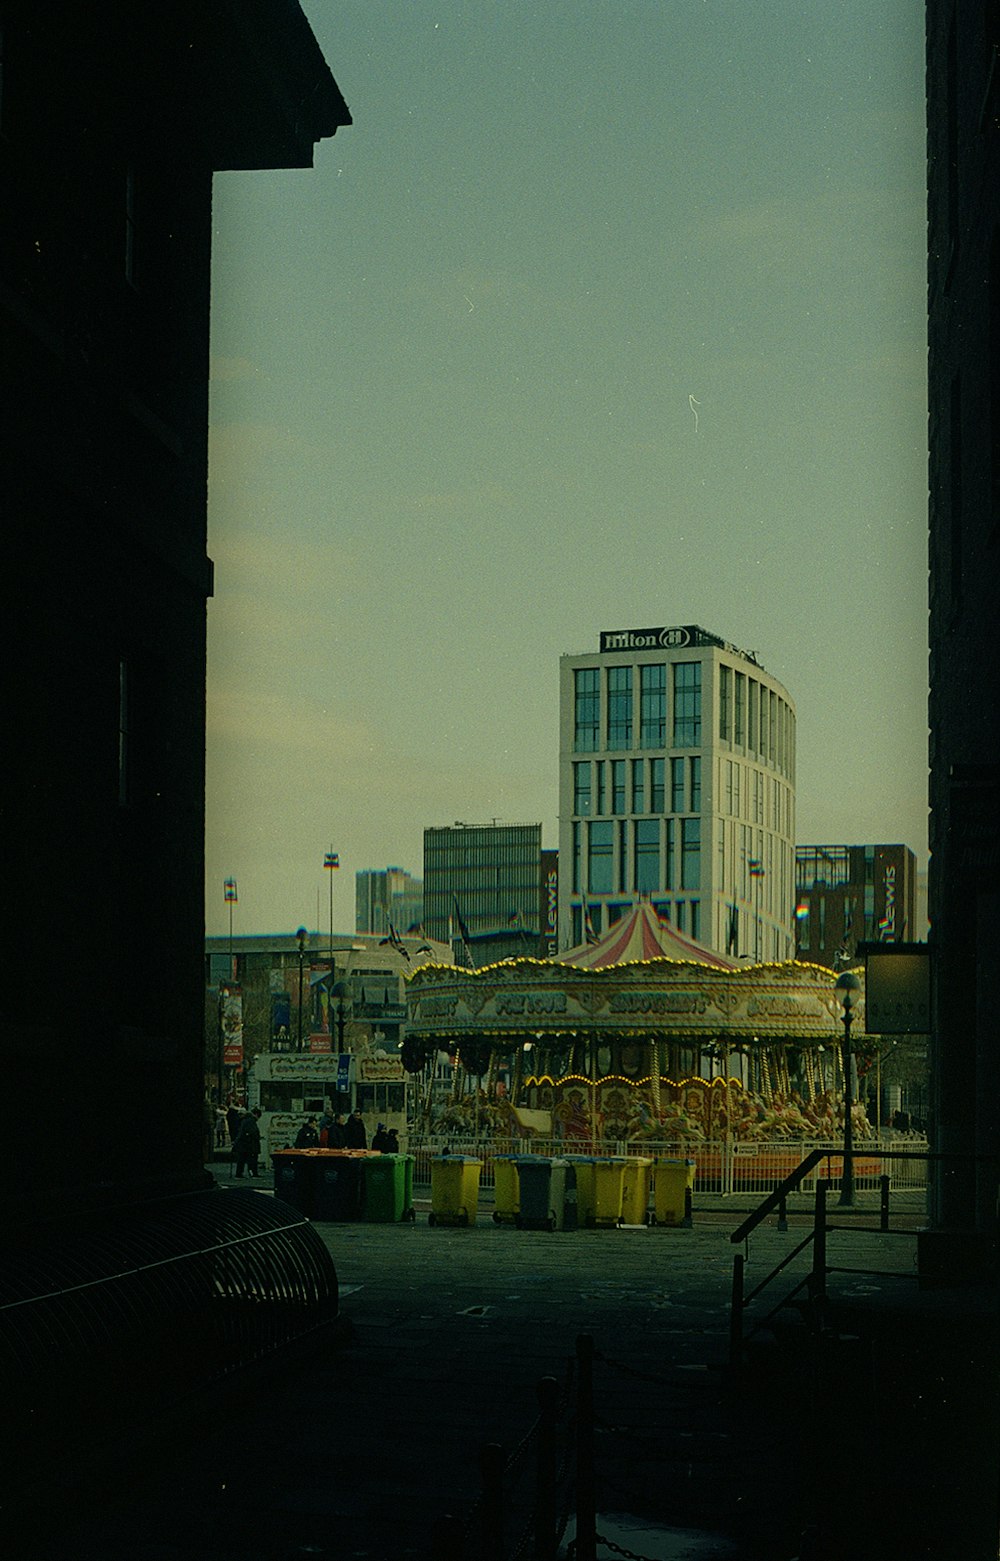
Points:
[(334, 1130)]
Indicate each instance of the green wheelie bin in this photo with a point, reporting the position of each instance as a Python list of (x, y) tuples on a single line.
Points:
[(635, 1189), (454, 1189), (384, 1188), (671, 1180), (506, 1189)]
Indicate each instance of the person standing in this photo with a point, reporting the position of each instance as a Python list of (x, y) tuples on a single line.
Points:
[(246, 1149), (307, 1137), (357, 1136)]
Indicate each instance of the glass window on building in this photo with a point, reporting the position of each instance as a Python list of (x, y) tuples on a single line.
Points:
[(680, 916), (740, 714), (687, 704), (668, 877), (581, 789), (694, 766), (622, 856), (618, 801), (638, 785), (690, 853), (657, 787), (762, 745), (619, 707), (677, 785), (576, 857), (753, 706), (601, 855), (647, 855), (587, 719), (772, 723), (652, 707), (599, 802), (696, 918), (725, 713)]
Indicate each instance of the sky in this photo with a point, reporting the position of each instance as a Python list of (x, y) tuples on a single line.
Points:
[(602, 314)]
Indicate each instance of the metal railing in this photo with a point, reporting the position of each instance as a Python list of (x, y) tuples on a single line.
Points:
[(752, 1168), (814, 1282)]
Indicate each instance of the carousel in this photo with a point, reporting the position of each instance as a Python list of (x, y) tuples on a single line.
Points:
[(642, 1036)]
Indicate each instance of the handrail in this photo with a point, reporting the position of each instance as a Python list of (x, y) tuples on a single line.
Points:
[(780, 1193)]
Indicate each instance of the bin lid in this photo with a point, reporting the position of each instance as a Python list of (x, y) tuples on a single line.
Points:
[(462, 1159), (672, 1160)]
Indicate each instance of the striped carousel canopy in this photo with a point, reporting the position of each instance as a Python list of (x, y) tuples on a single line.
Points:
[(641, 935)]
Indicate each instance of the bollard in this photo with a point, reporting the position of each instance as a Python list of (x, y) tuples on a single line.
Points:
[(883, 1183), (782, 1213), (688, 1219), (491, 1465), (736, 1315), (546, 1514), (586, 1497)]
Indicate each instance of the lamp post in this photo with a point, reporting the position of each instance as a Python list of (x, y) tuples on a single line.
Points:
[(341, 992), (846, 989), (331, 862), (300, 938)]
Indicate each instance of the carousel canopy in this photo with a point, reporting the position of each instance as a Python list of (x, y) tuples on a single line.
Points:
[(641, 935)]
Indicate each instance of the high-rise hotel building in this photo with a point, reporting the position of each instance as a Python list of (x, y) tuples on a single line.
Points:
[(677, 785)]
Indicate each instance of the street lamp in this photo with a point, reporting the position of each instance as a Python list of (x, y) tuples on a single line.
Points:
[(300, 938), (845, 991)]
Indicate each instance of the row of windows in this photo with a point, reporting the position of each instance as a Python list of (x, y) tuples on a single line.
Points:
[(750, 793), (601, 917), (640, 856), (619, 729), (620, 786), (755, 866), (756, 718)]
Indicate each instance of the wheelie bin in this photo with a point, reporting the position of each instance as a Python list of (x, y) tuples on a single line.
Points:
[(293, 1179), (338, 1183), (635, 1189), (506, 1189), (543, 1192), (609, 1189), (671, 1180), (583, 1166), (454, 1189), (383, 1197)]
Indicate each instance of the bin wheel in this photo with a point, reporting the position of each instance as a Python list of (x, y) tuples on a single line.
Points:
[(650, 1219), (496, 1217), (432, 1219), (411, 1214), (551, 1222), (463, 1218)]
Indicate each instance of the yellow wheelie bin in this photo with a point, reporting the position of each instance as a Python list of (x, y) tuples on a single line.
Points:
[(506, 1189), (454, 1189), (583, 1167), (671, 1180), (635, 1189), (609, 1189)]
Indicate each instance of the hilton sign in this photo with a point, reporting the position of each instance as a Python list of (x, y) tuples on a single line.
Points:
[(648, 639)]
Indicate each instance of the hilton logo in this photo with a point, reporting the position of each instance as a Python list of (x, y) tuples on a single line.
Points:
[(645, 639)]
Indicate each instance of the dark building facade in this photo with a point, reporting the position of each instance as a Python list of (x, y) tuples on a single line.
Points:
[(846, 895), (113, 119), (963, 97)]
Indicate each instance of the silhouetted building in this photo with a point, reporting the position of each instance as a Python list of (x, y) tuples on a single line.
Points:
[(846, 895), (113, 119), (963, 97), (677, 785), (483, 889)]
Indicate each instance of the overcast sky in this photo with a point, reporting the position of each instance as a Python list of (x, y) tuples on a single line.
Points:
[(453, 433)]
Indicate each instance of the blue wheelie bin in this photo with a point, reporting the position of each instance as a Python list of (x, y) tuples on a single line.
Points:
[(543, 1192), (293, 1179)]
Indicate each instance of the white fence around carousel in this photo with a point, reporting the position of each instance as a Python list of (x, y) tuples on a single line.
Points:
[(723, 1169)]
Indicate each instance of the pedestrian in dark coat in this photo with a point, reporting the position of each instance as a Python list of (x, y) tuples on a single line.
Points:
[(381, 1139), (357, 1136), (307, 1137), (246, 1149)]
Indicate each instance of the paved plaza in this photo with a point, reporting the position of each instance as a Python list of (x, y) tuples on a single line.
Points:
[(369, 1439)]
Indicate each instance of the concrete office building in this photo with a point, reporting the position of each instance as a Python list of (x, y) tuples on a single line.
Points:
[(846, 895), (677, 785), (384, 895), (490, 876)]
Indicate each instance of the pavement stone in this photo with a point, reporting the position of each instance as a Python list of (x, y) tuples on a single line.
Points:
[(361, 1445)]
